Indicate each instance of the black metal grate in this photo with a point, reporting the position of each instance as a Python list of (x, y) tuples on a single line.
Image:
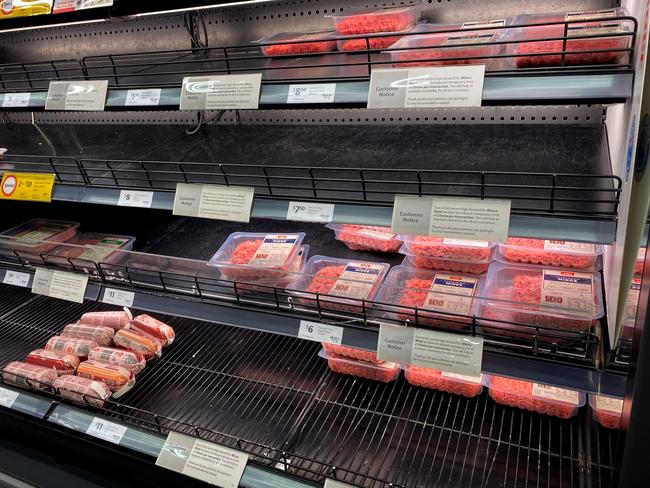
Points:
[(274, 398), (558, 194), (167, 68)]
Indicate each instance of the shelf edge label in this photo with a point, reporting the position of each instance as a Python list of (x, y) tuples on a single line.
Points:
[(143, 98), (312, 93), (77, 95), (317, 332), (11, 100), (453, 217), (135, 198), (221, 92), (16, 278), (106, 430), (28, 187), (446, 86), (60, 284), (320, 213), (217, 202), (8, 397), (330, 483), (202, 460), (121, 298)]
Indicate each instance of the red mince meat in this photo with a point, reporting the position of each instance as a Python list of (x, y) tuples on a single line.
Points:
[(385, 372), (609, 420), (242, 254), (518, 393), (433, 379), (524, 250), (608, 412), (351, 352), (372, 43), (448, 265), (323, 282), (433, 246), (350, 235), (376, 22), (299, 48), (412, 297)]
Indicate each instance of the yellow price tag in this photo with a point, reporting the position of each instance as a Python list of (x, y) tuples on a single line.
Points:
[(33, 187)]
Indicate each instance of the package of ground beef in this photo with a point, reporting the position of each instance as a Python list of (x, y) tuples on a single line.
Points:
[(640, 260), (91, 247), (451, 295), (459, 45), (559, 254), (384, 372), (268, 259), (372, 43), (37, 236), (292, 43), (366, 237), (535, 397), (445, 254), (338, 284), (538, 45), (435, 379), (557, 299), (364, 21), (607, 411), (351, 352)]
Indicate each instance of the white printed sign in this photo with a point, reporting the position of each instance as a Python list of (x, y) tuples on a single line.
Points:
[(453, 217), (16, 100), (77, 95), (108, 431), (330, 483), (310, 212), (317, 332), (205, 461), (223, 92), (16, 278), (7, 397), (143, 98), (60, 284), (219, 202), (312, 93), (448, 86), (135, 198), (121, 298)]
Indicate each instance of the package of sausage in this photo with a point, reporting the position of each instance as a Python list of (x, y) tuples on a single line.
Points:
[(133, 361), (29, 376), (98, 333), (154, 327), (118, 379), (77, 347), (136, 341), (62, 362), (82, 390), (115, 320)]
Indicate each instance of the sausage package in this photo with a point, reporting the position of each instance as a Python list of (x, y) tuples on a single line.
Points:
[(98, 333), (116, 320), (82, 390), (136, 341), (154, 327), (29, 376), (118, 379), (133, 361), (62, 362), (77, 347)]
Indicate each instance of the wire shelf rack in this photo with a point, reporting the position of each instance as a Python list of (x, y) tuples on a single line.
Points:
[(554, 49), (593, 196), (272, 397)]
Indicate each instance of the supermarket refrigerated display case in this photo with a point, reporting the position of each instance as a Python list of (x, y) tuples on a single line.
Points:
[(238, 374)]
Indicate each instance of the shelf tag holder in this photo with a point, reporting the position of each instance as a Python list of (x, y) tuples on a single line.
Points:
[(222, 92)]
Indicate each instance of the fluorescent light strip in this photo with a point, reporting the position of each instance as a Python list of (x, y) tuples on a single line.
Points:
[(205, 7), (95, 21)]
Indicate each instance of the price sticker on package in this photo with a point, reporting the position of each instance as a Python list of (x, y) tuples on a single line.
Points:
[(321, 213), (16, 278), (77, 95), (8, 397), (60, 284), (121, 298), (108, 431), (317, 332), (29, 187), (205, 461)]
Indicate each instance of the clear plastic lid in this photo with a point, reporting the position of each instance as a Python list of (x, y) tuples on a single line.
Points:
[(520, 389), (544, 292), (345, 278), (297, 37), (369, 20), (443, 264), (584, 16), (38, 233), (439, 247), (560, 254), (287, 43), (96, 246), (429, 373), (384, 372), (258, 250), (366, 237), (430, 291), (606, 404)]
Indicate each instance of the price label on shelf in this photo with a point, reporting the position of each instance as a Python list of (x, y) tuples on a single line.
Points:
[(205, 461), (30, 187), (223, 92), (7, 397), (16, 100), (310, 212), (453, 217), (60, 284), (108, 431), (135, 198), (121, 298), (317, 332), (312, 93), (452, 353), (16, 278), (143, 98), (77, 95), (219, 202), (447, 86)]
